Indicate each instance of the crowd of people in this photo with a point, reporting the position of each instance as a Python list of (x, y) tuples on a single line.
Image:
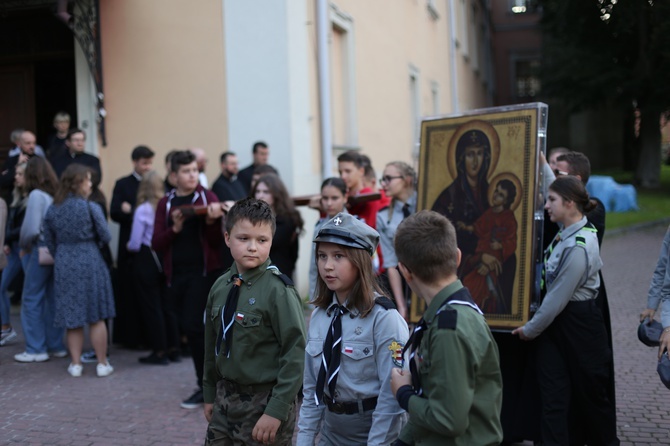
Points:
[(229, 253)]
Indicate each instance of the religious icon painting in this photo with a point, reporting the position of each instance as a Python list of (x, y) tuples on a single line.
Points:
[(482, 170)]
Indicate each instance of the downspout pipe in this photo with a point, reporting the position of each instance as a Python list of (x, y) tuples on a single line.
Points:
[(455, 108), (323, 61)]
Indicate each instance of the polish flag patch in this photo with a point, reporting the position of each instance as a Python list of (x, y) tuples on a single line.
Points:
[(239, 317), (348, 350)]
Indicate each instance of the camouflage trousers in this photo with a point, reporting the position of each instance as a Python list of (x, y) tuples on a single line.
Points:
[(235, 415)]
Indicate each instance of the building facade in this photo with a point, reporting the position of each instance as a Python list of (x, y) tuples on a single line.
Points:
[(222, 74)]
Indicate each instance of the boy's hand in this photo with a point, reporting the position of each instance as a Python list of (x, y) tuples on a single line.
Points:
[(400, 378), (208, 409), (214, 211), (226, 205), (519, 331), (177, 221), (266, 429)]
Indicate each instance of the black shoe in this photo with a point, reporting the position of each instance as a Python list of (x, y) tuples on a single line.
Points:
[(89, 357), (154, 359), (174, 356), (193, 401)]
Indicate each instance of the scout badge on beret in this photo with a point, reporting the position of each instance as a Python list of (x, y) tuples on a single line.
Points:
[(347, 230)]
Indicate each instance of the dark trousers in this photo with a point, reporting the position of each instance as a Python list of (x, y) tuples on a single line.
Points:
[(149, 284), (574, 367), (186, 301)]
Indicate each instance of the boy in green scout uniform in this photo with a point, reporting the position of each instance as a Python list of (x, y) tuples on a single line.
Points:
[(254, 338), (453, 389)]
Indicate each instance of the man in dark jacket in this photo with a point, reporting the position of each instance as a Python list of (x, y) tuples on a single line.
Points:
[(127, 324), (76, 144)]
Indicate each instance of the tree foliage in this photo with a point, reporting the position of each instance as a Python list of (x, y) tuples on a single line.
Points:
[(613, 53)]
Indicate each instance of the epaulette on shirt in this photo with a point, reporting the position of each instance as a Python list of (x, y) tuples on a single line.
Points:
[(385, 303), (447, 318), (283, 277), (580, 240)]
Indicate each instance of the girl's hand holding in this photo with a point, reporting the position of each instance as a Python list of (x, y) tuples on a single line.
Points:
[(519, 331)]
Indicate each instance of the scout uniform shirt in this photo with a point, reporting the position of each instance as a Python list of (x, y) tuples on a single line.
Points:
[(371, 347), (572, 259), (268, 340), (460, 377)]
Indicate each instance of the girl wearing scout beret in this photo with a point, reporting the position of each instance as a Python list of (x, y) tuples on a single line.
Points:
[(355, 339)]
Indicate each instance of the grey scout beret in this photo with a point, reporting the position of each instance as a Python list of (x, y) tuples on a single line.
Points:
[(347, 230)]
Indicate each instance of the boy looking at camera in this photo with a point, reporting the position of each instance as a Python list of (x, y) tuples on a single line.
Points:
[(453, 389), (254, 338)]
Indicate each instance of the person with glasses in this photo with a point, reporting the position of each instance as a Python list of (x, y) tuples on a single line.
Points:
[(399, 184)]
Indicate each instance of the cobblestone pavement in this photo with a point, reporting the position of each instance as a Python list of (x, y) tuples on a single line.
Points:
[(139, 405), (643, 402)]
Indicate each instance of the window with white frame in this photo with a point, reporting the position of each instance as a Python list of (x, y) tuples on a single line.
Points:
[(342, 82), (522, 6), (527, 78)]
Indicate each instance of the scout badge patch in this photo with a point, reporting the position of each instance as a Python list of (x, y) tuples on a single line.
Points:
[(396, 353)]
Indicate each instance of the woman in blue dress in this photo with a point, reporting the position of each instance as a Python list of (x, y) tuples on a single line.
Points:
[(73, 229)]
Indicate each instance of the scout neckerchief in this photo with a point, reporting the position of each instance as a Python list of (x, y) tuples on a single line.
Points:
[(580, 240), (460, 297), (228, 316), (330, 356)]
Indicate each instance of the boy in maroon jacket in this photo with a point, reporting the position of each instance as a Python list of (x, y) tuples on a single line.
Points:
[(190, 246)]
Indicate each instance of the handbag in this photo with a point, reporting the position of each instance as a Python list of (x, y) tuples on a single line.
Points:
[(105, 252), (44, 257)]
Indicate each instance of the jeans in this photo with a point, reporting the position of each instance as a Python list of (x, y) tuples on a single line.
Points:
[(37, 309), (8, 274)]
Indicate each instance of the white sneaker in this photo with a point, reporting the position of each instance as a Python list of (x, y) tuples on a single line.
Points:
[(58, 354), (104, 369), (75, 370), (31, 357), (7, 336)]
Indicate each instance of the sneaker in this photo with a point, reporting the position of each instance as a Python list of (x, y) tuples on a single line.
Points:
[(31, 357), (89, 357), (193, 401), (7, 336), (174, 356), (154, 359), (104, 369), (75, 370), (58, 354)]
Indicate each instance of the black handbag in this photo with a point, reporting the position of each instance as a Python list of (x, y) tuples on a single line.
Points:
[(105, 251)]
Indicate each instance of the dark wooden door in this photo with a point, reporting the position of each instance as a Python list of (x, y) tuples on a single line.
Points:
[(17, 103)]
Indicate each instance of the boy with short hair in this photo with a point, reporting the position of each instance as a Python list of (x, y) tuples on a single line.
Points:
[(254, 338), (353, 167), (190, 246), (453, 389)]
